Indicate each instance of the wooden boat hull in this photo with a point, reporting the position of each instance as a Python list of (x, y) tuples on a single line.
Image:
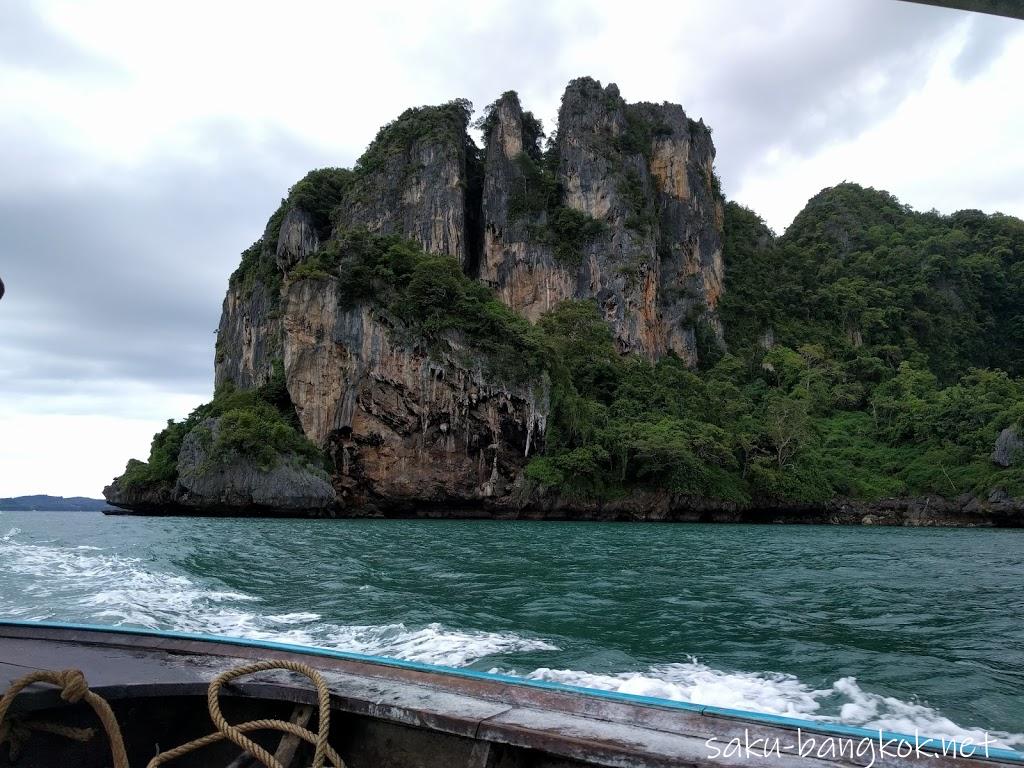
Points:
[(393, 713)]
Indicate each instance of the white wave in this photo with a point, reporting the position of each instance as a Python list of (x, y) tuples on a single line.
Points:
[(843, 702), (433, 644), (887, 713), (122, 591), (692, 681)]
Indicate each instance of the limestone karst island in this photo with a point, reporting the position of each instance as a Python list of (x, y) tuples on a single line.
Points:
[(580, 325)]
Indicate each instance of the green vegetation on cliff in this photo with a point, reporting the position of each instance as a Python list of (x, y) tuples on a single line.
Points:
[(320, 192), (429, 294), (445, 122), (870, 351), (877, 282), (259, 425), (875, 352), (536, 197), (317, 193)]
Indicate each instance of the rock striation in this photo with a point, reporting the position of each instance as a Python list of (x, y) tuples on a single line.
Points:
[(403, 424), (418, 180)]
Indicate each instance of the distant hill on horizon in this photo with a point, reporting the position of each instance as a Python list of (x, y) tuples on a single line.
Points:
[(42, 503)]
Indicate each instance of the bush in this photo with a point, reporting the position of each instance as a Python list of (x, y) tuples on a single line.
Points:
[(536, 196), (570, 232), (535, 190), (641, 130), (258, 269), (318, 193), (446, 122), (260, 433)]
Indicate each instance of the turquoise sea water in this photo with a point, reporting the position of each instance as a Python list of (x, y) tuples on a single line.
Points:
[(899, 629)]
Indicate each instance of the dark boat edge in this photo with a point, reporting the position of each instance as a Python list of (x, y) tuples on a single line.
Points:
[(528, 714)]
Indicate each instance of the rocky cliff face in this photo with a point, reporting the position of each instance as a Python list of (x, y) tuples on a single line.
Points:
[(624, 210), (644, 172), (417, 181), (520, 268), (249, 335), (403, 424)]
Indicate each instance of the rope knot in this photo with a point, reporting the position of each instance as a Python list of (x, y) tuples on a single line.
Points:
[(73, 686)]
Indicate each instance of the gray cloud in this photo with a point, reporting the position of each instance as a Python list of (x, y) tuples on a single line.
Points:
[(988, 37), (122, 280), (28, 42), (826, 76), (522, 52), (783, 74)]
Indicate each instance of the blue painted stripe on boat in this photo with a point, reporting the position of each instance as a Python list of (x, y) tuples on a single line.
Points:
[(830, 729)]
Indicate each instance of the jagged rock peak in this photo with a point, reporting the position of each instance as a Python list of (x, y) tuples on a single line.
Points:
[(622, 208), (418, 179)]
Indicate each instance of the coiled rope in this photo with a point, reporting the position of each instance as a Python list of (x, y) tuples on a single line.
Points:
[(74, 689)]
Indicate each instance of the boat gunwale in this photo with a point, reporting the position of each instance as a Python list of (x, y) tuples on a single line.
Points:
[(937, 746)]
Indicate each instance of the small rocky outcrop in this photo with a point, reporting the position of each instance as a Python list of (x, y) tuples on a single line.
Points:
[(296, 240), (235, 483), (160, 498), (1009, 448)]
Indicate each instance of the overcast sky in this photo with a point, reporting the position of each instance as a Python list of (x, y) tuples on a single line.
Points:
[(146, 143)]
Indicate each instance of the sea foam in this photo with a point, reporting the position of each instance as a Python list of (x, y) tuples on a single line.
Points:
[(843, 702), (122, 591)]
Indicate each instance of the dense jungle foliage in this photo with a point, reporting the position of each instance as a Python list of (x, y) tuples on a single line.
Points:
[(872, 351)]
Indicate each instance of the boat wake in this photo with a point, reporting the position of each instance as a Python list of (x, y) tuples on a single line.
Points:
[(82, 584), (42, 581), (844, 702)]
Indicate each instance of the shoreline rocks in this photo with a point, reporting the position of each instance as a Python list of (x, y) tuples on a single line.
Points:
[(648, 507)]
